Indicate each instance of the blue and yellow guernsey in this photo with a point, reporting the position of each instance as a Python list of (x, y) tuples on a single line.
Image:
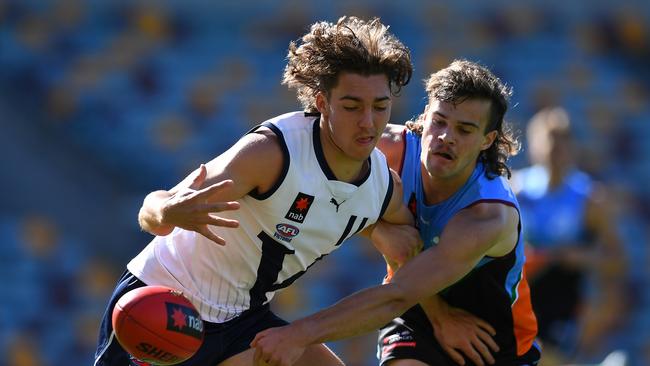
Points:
[(496, 290)]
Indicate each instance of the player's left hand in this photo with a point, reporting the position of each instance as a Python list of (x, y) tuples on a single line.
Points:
[(461, 333), (276, 347), (397, 243)]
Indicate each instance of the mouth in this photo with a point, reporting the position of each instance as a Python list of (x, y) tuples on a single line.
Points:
[(365, 140), (445, 155)]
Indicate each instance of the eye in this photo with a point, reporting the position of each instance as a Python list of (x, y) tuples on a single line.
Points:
[(464, 131), (349, 108), (381, 108)]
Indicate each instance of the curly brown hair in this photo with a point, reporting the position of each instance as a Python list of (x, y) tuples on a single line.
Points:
[(463, 80), (350, 45)]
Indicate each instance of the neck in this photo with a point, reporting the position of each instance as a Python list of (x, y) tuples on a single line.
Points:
[(342, 166), (557, 174), (438, 189)]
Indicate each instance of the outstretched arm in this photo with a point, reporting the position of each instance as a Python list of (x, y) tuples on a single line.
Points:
[(252, 164), (493, 232)]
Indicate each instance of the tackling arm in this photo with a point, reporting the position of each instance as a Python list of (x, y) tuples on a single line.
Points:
[(491, 224)]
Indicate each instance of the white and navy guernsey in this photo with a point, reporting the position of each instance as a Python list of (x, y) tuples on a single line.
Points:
[(304, 217)]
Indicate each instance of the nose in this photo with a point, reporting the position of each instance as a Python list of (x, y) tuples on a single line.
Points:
[(445, 137), (366, 119)]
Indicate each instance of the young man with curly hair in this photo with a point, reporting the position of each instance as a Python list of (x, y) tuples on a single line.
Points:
[(274, 192)]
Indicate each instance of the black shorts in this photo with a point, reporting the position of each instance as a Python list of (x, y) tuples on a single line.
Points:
[(411, 337), (221, 341)]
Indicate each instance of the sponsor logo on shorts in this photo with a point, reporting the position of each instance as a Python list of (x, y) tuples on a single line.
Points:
[(388, 348), (404, 336), (182, 319)]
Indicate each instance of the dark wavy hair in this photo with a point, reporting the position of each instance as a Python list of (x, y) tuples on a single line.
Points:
[(350, 45), (463, 80)]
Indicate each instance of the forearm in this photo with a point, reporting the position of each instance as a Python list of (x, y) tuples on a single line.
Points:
[(360, 313), (150, 216)]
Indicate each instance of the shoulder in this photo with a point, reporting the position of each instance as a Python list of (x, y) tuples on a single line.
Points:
[(256, 161), (488, 210), (496, 222), (391, 144), (263, 142)]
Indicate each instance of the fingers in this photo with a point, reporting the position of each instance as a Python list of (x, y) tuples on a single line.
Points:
[(218, 221), (486, 326), (455, 356), (474, 356), (487, 339), (484, 352), (205, 231), (257, 357), (208, 192), (217, 207), (199, 177)]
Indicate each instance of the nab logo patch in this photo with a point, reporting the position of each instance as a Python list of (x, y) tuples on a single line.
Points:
[(182, 319), (298, 210), (285, 232)]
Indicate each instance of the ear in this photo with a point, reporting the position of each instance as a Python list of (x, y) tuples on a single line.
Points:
[(322, 104), (488, 140)]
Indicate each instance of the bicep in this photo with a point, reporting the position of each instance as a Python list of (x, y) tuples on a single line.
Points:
[(253, 163)]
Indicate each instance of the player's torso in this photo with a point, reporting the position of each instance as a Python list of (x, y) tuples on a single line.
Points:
[(282, 232), (553, 217), (311, 214), (495, 287)]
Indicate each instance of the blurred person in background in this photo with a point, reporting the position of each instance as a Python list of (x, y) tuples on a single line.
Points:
[(288, 193), (474, 301), (576, 260)]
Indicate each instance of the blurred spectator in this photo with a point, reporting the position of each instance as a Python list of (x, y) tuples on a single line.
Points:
[(22, 351), (576, 262)]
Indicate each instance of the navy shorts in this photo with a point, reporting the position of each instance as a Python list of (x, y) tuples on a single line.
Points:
[(411, 337), (221, 341)]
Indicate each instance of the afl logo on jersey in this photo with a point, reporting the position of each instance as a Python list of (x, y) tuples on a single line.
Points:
[(285, 232)]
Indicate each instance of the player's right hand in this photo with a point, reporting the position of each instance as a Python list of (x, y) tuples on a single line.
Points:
[(194, 209), (276, 347)]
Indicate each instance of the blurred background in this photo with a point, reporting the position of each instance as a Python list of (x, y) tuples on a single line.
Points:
[(104, 101)]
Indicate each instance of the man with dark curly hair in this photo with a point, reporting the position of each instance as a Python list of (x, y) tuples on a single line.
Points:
[(288, 193), (464, 299)]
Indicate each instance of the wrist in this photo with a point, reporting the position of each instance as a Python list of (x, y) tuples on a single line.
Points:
[(303, 333), (152, 214), (436, 309)]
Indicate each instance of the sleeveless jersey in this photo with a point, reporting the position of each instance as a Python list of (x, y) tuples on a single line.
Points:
[(496, 290), (283, 232), (553, 218)]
